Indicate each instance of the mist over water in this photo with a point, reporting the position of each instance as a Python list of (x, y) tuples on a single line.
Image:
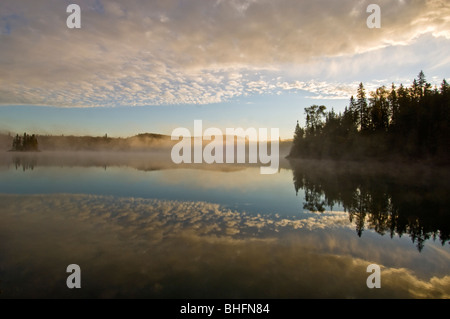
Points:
[(141, 226)]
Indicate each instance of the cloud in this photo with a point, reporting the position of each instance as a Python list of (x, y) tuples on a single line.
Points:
[(196, 52), (322, 89)]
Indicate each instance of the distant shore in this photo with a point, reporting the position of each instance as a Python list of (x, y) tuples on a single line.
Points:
[(374, 161), (140, 142)]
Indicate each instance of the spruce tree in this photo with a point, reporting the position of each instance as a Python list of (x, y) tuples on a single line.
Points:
[(362, 108)]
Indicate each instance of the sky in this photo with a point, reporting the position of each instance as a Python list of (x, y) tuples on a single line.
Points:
[(152, 66)]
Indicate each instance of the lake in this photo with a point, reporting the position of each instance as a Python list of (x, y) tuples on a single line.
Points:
[(140, 226)]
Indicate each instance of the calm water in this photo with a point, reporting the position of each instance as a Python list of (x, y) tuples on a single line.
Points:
[(141, 227)]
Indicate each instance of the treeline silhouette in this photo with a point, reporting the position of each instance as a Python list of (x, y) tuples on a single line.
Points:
[(391, 122), (25, 143), (138, 142), (392, 200)]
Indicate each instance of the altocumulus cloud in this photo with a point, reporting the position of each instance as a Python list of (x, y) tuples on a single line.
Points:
[(195, 52)]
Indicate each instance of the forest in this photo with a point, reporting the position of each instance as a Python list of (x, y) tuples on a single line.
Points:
[(25, 143), (386, 124)]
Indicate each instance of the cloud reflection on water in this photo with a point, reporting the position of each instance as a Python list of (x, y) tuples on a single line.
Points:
[(130, 247)]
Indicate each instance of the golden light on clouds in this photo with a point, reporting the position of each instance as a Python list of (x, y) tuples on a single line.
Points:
[(196, 52)]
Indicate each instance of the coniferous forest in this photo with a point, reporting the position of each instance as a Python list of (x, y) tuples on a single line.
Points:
[(388, 123), (25, 143)]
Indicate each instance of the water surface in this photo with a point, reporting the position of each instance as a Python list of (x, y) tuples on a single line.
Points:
[(141, 227)]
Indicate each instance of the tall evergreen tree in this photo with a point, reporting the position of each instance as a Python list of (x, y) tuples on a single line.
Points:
[(314, 119), (393, 106), (421, 83), (298, 139), (362, 108), (379, 109)]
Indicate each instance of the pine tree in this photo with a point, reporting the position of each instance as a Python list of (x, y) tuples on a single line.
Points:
[(379, 109), (421, 83), (297, 144), (445, 88), (314, 119), (393, 106), (362, 108)]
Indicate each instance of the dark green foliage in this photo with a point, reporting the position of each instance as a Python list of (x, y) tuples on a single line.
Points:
[(393, 123), (25, 143)]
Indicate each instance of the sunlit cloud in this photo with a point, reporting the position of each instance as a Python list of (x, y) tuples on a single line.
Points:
[(172, 52)]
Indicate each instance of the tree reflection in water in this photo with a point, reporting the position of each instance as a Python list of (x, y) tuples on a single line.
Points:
[(387, 199)]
